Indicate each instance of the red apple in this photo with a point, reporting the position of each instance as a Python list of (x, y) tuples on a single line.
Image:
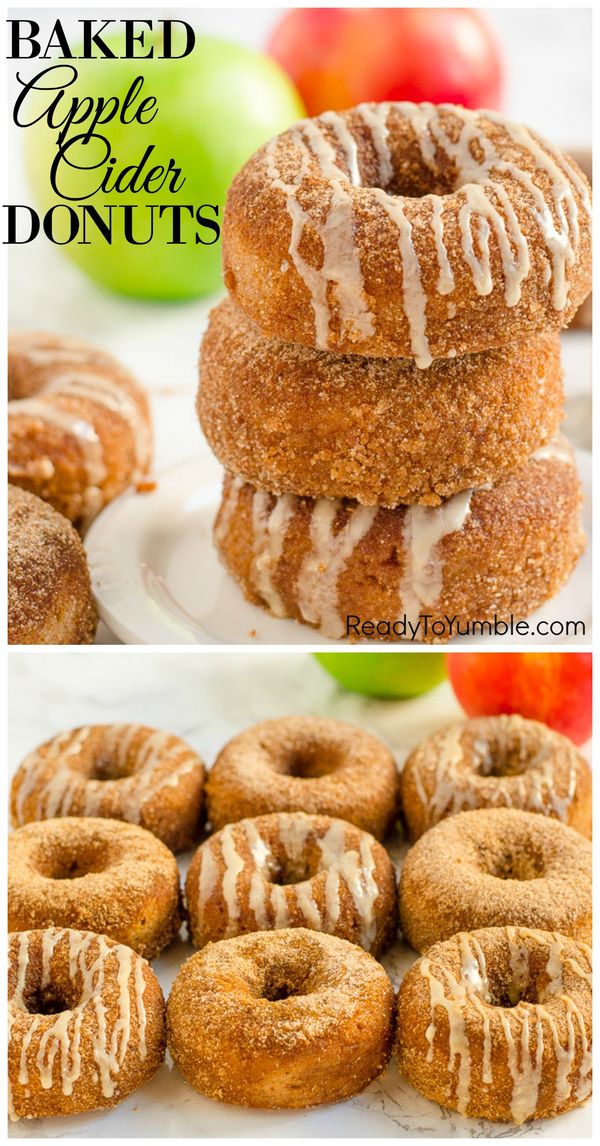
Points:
[(338, 57), (555, 688)]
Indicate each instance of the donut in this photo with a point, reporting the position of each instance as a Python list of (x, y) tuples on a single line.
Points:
[(305, 764), (50, 599), (288, 869), (286, 1018), (94, 875), (79, 429), (497, 1024), (86, 1022), (117, 771), (428, 572), (294, 420), (496, 866), (496, 761), (408, 231)]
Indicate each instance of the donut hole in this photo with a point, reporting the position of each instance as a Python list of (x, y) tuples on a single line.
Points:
[(288, 871), (522, 866), (282, 983), (311, 761), (106, 767), (509, 993), (50, 999), (75, 862), (502, 757)]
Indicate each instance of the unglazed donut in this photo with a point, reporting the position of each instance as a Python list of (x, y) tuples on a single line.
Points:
[(94, 875), (359, 571), (498, 1024), (286, 1018), (292, 870), (86, 1022), (79, 429), (408, 230), (305, 764), (119, 771), (50, 599), (496, 761), (492, 867), (294, 420)]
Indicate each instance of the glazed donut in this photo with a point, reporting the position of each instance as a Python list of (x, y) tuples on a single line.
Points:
[(292, 870), (294, 420), (496, 761), (408, 230), (94, 875), (496, 866), (359, 571), (116, 771), (289, 1018), (79, 429), (305, 764), (498, 1024), (86, 1022), (50, 599)]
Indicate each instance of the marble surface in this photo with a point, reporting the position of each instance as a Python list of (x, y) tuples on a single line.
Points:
[(206, 698)]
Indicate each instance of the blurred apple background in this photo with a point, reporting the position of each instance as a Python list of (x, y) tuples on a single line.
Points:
[(534, 63)]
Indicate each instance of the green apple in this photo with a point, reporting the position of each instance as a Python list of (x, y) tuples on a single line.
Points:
[(385, 674), (215, 107)]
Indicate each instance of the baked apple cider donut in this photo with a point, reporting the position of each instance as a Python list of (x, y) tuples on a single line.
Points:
[(86, 1022), (79, 429), (497, 1024), (305, 764), (295, 420), (408, 230), (281, 1019), (288, 869), (119, 771), (496, 761), (496, 866), (94, 875), (419, 571), (50, 600)]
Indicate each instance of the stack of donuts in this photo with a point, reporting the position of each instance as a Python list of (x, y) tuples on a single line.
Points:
[(383, 384), (292, 901)]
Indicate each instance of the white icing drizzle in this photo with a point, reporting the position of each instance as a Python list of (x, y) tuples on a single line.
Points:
[(270, 528), (483, 176), (446, 784), (105, 391), (59, 789), (522, 1025), (224, 859), (58, 1043), (329, 553), (424, 528)]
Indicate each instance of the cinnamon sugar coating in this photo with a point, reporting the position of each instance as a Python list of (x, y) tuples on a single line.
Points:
[(86, 1022), (305, 764), (288, 869), (79, 428), (294, 420), (287, 1019), (404, 230), (496, 761), (493, 867), (94, 875), (50, 598), (118, 771), (502, 550), (497, 1023)]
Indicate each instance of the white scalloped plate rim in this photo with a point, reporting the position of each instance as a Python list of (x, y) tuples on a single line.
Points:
[(152, 560)]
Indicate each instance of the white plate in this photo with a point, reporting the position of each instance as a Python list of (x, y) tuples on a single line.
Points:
[(166, 1107), (158, 580)]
